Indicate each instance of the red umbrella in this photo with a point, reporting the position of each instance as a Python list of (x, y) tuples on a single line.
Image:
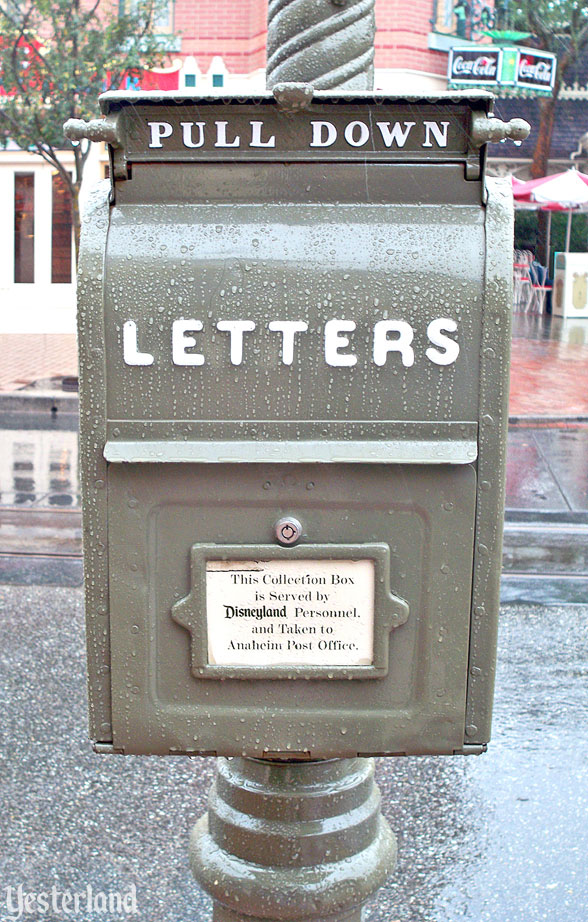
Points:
[(567, 191)]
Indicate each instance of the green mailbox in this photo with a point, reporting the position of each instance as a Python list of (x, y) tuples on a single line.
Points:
[(294, 329)]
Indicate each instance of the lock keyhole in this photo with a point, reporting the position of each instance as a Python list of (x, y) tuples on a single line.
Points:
[(288, 530)]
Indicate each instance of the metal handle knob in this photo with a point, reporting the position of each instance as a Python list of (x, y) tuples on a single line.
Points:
[(98, 129), (485, 129), (291, 97)]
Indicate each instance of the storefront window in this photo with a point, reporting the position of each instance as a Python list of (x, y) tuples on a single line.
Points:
[(61, 227), (24, 227)]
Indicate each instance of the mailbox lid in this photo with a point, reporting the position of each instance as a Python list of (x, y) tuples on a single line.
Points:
[(360, 219), (172, 127), (341, 270)]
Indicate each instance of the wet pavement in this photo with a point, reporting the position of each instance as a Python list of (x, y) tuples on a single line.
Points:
[(549, 367), (38, 466), (500, 837), (547, 472), (40, 519)]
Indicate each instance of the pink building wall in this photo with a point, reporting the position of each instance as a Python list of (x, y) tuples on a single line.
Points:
[(237, 32), (402, 28), (234, 30)]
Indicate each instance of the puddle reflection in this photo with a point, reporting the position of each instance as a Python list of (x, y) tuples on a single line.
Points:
[(570, 331), (39, 468)]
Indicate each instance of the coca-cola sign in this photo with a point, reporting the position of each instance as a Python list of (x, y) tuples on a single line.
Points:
[(509, 66), (477, 65), (535, 70)]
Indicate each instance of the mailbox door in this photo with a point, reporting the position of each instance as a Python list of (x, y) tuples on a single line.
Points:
[(423, 518)]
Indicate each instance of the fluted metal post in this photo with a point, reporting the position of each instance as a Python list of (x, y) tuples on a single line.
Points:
[(328, 43), (292, 842)]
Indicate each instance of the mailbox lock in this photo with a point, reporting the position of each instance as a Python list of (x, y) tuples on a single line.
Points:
[(288, 530)]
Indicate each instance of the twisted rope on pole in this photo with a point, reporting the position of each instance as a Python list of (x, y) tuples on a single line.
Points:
[(328, 43)]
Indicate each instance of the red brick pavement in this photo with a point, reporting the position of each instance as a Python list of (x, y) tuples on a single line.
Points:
[(35, 356), (548, 378)]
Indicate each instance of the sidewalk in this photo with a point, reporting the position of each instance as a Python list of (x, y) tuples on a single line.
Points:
[(549, 368)]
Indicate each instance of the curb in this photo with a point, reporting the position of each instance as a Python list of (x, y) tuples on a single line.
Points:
[(545, 421), (47, 402)]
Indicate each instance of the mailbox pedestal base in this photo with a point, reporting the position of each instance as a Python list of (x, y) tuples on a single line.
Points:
[(292, 841)]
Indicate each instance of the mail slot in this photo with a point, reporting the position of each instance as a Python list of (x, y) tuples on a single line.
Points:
[(294, 328)]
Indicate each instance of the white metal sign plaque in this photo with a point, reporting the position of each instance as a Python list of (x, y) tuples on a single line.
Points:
[(290, 612)]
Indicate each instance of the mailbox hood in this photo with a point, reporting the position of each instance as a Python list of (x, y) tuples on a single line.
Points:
[(299, 123)]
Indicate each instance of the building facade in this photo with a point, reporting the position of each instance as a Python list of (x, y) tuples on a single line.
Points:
[(222, 43)]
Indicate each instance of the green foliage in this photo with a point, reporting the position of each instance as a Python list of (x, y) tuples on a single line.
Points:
[(57, 56), (578, 237), (527, 232), (559, 26)]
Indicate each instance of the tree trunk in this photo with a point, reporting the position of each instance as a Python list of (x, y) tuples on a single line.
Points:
[(540, 164), (76, 220), (541, 248), (547, 109)]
